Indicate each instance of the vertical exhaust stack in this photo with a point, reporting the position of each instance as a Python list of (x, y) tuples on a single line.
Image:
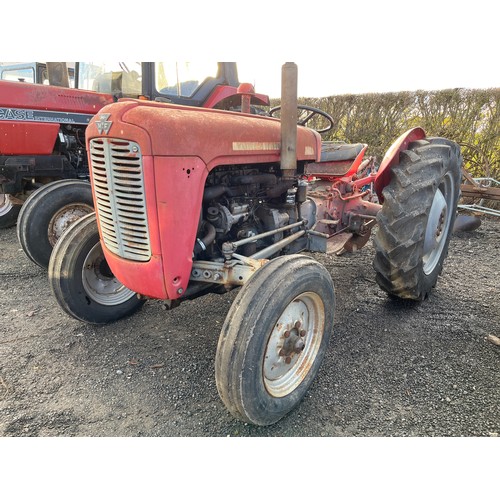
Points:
[(289, 78), (58, 74)]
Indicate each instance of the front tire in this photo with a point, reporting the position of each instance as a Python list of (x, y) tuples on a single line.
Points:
[(9, 211), (274, 339), (416, 219), (48, 212), (81, 280)]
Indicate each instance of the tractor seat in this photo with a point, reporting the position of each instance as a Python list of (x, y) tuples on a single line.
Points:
[(336, 159), (336, 151)]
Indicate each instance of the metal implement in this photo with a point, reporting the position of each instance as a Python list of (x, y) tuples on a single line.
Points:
[(485, 188)]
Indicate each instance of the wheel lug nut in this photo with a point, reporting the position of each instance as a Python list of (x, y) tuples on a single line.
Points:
[(298, 324), (288, 360), (287, 334), (282, 352), (302, 333)]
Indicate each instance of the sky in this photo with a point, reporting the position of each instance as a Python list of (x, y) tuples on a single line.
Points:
[(318, 81), (356, 46)]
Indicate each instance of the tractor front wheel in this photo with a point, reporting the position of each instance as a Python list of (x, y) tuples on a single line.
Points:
[(48, 212), (274, 339), (81, 279), (416, 219)]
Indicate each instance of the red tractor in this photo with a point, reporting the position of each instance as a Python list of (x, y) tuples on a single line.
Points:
[(43, 157), (191, 201)]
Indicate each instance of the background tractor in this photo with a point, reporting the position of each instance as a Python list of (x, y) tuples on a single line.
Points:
[(191, 201)]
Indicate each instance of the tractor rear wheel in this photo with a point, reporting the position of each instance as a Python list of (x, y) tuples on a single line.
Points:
[(48, 212), (81, 279), (8, 211), (274, 339), (416, 219)]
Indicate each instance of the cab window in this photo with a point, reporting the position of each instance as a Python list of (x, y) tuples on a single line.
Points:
[(182, 78), (124, 78), (19, 75)]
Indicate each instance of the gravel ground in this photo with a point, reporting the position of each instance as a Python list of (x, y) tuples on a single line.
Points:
[(392, 368)]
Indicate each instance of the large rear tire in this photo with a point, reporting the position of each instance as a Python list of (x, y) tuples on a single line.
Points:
[(81, 280), (8, 211), (48, 212), (274, 339), (416, 219)]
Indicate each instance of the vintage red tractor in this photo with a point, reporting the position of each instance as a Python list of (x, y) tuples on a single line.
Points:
[(190, 201)]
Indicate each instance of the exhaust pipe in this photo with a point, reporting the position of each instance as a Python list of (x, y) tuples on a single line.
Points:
[(58, 74), (289, 80)]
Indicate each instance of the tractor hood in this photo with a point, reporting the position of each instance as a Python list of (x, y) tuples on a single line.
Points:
[(27, 96), (217, 137)]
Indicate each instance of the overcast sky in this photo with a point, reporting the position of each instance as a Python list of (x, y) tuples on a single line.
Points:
[(350, 47)]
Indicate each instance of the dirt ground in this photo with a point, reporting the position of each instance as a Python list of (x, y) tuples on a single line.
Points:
[(392, 368)]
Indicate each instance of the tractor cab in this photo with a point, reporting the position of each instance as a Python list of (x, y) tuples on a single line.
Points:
[(201, 84), (33, 72)]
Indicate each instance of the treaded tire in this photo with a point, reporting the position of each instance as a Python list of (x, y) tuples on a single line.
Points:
[(252, 342), (9, 212), (81, 281), (47, 213), (416, 219)]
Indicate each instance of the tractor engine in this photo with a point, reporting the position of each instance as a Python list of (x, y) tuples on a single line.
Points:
[(242, 203), (71, 145)]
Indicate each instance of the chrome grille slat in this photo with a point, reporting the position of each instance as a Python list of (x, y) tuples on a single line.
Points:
[(125, 195), (119, 190), (107, 219)]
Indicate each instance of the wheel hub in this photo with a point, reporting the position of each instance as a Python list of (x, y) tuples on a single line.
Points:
[(438, 224), (100, 283), (293, 344), (62, 219)]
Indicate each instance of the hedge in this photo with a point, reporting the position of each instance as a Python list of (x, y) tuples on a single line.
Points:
[(471, 117)]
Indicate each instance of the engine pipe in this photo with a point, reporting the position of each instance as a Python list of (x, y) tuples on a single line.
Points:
[(58, 74), (229, 247), (202, 243), (289, 78), (251, 239), (270, 250)]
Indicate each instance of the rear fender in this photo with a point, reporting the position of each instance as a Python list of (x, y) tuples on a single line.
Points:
[(222, 92), (391, 158)]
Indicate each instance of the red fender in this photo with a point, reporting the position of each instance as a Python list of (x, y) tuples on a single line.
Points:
[(391, 158), (222, 92)]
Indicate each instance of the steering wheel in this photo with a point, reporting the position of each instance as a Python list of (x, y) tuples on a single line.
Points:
[(308, 113)]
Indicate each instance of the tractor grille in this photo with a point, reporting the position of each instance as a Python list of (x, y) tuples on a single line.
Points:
[(119, 191)]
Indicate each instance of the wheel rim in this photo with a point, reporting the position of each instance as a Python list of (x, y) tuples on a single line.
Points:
[(62, 219), (99, 282), (5, 204), (438, 223), (293, 344)]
